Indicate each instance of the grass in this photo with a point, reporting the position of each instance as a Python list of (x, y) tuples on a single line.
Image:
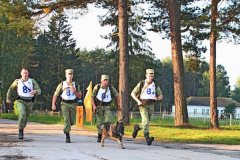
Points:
[(162, 130)]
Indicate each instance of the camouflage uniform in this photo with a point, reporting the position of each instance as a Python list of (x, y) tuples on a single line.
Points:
[(103, 111), (24, 107), (146, 109), (68, 109)]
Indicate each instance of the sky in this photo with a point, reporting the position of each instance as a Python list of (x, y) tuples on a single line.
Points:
[(86, 31)]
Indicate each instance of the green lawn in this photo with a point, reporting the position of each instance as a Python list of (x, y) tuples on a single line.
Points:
[(162, 130)]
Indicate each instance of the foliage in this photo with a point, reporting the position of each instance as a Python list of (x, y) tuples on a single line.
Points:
[(222, 83), (138, 42), (15, 50), (230, 108), (236, 94), (55, 52)]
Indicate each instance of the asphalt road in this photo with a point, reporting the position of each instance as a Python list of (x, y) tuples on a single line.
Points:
[(43, 141)]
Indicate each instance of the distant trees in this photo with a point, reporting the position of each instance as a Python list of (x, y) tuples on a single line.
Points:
[(55, 52), (235, 94), (230, 109), (15, 49)]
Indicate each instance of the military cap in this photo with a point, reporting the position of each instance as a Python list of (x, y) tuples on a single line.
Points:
[(104, 77), (68, 71), (150, 71)]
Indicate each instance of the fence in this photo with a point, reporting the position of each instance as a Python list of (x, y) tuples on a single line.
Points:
[(198, 119), (167, 118)]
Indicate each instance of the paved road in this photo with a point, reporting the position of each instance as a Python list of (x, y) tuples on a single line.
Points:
[(43, 141)]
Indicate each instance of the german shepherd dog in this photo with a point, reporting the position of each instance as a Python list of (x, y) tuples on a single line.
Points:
[(114, 130)]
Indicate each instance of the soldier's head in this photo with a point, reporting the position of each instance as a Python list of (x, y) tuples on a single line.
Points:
[(69, 74), (24, 73), (149, 75), (104, 80)]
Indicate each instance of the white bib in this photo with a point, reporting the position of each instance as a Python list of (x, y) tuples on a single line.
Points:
[(100, 95), (149, 92), (68, 94), (23, 90)]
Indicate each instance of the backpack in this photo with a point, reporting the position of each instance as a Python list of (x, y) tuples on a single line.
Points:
[(142, 84), (59, 99), (98, 88)]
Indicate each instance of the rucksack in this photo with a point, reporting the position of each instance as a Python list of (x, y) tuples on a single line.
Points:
[(142, 84), (98, 88)]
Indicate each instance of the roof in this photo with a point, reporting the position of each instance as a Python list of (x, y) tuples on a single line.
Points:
[(205, 101)]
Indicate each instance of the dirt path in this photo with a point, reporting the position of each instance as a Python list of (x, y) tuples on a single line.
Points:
[(42, 141)]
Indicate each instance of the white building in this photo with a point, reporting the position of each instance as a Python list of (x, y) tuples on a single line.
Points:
[(200, 106)]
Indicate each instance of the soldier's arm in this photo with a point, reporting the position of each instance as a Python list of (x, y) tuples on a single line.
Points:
[(78, 92), (10, 90), (36, 87), (159, 93), (93, 95), (55, 95), (94, 92), (116, 94), (135, 92)]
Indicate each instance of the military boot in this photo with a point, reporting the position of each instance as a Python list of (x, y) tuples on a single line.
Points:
[(68, 138), (136, 129), (149, 140), (20, 134), (99, 137)]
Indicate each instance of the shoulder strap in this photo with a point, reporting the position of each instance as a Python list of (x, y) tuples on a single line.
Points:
[(25, 85), (68, 87), (142, 84), (144, 89), (98, 87), (103, 97), (111, 90)]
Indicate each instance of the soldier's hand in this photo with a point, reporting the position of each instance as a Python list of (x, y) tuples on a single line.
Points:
[(140, 103), (53, 107), (160, 97), (72, 88), (94, 108), (155, 98), (32, 92), (8, 101)]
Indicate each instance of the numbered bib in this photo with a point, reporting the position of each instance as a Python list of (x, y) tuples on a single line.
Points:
[(68, 94), (149, 92), (24, 88), (101, 93)]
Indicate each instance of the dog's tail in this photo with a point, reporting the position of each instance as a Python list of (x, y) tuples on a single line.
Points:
[(100, 126)]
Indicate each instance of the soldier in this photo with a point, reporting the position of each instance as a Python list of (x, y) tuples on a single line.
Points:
[(26, 89), (101, 98), (69, 91), (148, 92)]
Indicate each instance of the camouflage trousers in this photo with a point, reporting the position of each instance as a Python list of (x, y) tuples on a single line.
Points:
[(146, 112), (103, 113), (69, 115), (24, 110)]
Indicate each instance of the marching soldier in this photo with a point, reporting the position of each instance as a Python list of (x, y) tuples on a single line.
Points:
[(101, 98), (145, 94), (27, 88), (69, 92)]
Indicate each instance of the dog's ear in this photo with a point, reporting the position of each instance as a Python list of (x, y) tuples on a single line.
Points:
[(115, 124)]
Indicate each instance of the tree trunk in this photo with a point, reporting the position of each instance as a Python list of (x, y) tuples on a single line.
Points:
[(181, 115), (123, 61), (212, 67)]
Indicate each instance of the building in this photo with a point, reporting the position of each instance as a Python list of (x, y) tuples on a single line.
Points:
[(200, 106)]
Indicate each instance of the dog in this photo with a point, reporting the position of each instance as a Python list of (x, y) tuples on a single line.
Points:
[(113, 130)]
